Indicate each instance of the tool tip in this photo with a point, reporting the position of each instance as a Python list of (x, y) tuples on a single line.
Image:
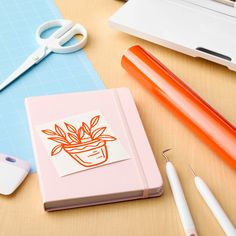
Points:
[(193, 172), (164, 155)]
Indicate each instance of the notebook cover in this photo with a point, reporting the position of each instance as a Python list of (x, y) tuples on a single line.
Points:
[(138, 174)]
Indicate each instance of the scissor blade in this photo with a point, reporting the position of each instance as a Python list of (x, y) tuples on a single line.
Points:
[(29, 62)]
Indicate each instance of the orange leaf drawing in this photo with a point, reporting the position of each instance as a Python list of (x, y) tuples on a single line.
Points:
[(86, 128), (80, 133), (107, 138), (60, 131), (73, 137), (94, 121), (98, 132), (48, 132), (70, 127), (57, 149), (58, 140)]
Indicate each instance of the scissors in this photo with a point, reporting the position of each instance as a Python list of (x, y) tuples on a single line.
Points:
[(54, 43)]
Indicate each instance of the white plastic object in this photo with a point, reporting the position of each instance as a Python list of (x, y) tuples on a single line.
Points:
[(215, 207), (66, 32), (199, 28), (180, 201), (54, 43), (12, 173)]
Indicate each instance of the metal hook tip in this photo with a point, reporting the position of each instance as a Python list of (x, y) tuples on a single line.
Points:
[(193, 172), (166, 150), (163, 154)]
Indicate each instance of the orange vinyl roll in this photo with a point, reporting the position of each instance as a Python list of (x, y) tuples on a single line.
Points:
[(209, 125)]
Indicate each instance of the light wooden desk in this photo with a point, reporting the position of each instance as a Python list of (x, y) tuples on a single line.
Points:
[(22, 214)]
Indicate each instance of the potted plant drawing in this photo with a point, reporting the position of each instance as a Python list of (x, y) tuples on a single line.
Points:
[(86, 144)]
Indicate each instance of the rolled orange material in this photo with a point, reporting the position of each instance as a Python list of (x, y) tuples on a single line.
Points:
[(209, 125)]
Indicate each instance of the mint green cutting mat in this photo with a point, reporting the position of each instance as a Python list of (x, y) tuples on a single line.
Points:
[(57, 73)]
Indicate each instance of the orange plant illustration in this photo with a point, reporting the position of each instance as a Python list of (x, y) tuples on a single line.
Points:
[(86, 145)]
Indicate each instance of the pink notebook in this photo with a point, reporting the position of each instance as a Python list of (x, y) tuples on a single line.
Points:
[(91, 148)]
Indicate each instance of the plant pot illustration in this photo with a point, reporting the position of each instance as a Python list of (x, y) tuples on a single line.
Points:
[(85, 144), (88, 154)]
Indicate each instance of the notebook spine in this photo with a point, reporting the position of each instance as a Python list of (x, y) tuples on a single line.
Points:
[(27, 100)]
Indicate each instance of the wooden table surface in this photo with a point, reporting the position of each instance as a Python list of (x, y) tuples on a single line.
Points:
[(22, 213)]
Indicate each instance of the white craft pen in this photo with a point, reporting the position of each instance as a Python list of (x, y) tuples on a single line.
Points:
[(214, 206), (180, 201)]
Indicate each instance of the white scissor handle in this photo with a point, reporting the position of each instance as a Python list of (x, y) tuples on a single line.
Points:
[(66, 32)]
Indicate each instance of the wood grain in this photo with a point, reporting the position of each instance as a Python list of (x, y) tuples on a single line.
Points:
[(22, 213)]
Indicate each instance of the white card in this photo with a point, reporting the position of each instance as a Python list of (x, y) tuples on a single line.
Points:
[(81, 142)]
